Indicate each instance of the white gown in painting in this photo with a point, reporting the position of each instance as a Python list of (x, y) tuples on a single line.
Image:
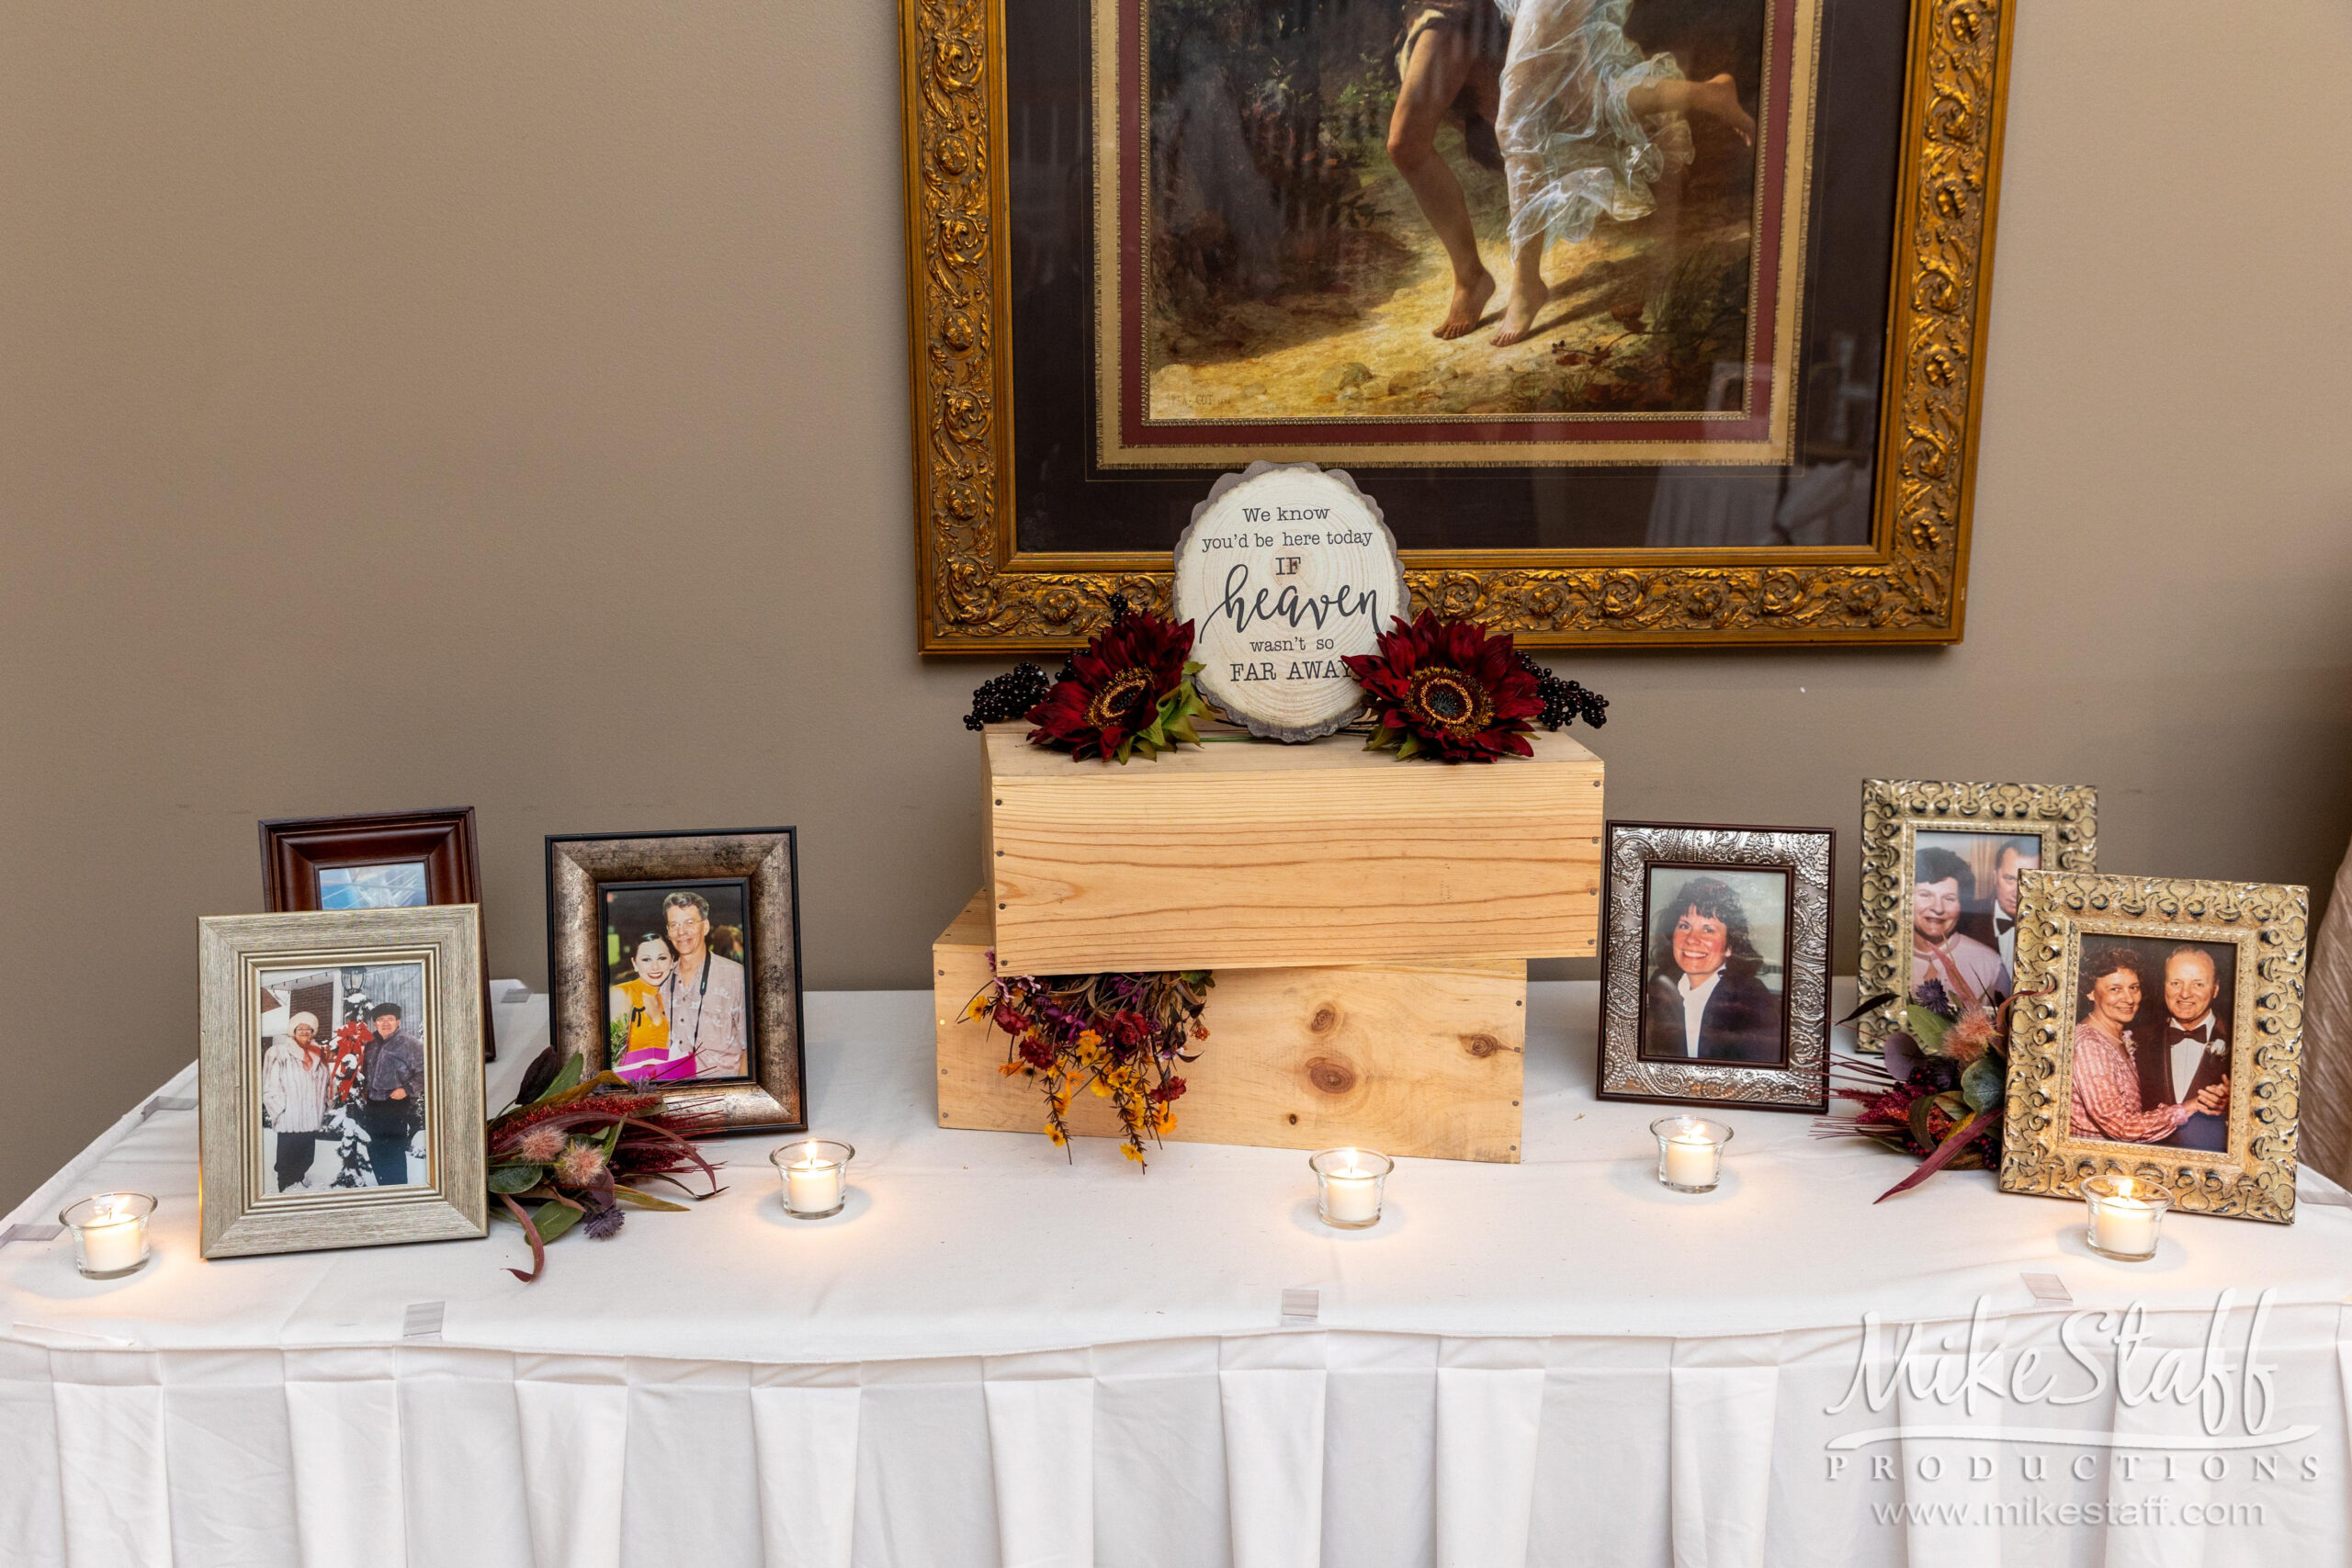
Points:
[(1574, 148)]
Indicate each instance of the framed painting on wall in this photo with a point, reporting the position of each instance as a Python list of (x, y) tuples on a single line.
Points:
[(1645, 321)]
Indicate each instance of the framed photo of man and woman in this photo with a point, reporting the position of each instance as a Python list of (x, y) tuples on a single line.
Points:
[(674, 961), (340, 1082), (1941, 868), (1645, 321), (2158, 1035), (1715, 965)]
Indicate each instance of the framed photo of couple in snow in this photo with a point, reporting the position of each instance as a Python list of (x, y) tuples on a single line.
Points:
[(1645, 321), (674, 960), (340, 1081), (2159, 1036), (1714, 954)]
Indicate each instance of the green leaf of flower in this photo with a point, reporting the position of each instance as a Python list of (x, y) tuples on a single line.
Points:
[(1927, 1028), (516, 1177), (555, 1217), (567, 1077), (1985, 1083), (631, 1196)]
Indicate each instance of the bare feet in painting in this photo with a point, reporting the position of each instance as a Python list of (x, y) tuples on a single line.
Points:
[(1520, 312), (1469, 306), (1718, 99)]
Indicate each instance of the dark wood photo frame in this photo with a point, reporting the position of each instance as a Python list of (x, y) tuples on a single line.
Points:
[(1799, 1079), (772, 1095), (295, 850)]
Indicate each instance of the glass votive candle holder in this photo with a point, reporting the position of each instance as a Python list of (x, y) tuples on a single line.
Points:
[(1689, 1152), (110, 1233), (1348, 1185), (2126, 1214), (815, 1172)]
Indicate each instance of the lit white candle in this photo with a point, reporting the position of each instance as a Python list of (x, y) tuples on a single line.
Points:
[(1690, 1160), (1352, 1195), (2126, 1226), (812, 1185), (114, 1238)]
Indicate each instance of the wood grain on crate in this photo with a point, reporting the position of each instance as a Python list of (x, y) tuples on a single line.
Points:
[(1415, 1059), (1251, 854)]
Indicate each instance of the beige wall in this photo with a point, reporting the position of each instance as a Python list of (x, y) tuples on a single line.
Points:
[(355, 359)]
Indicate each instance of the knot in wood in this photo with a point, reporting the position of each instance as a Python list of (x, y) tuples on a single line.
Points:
[(1330, 1076)]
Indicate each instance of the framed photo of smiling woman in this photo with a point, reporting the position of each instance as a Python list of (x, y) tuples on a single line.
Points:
[(1715, 965)]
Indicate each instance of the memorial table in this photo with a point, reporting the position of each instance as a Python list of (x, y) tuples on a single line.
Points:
[(997, 1356)]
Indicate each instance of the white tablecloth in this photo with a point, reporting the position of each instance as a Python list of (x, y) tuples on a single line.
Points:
[(996, 1356)]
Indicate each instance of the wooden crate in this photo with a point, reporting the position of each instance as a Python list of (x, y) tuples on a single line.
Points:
[(1248, 854), (1422, 1059)]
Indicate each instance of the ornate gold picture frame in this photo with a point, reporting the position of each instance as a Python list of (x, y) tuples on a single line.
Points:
[(2245, 943), (1980, 824), (990, 583)]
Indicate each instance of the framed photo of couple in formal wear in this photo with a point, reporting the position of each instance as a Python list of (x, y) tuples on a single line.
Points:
[(1715, 965), (340, 1081), (1942, 870), (2158, 1036), (400, 860), (1643, 323), (674, 961)]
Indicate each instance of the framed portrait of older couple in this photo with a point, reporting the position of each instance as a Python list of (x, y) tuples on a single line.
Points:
[(340, 1079), (674, 961), (1715, 965), (2158, 1036), (1942, 869)]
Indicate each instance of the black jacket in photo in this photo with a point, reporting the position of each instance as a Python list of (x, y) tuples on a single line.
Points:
[(1742, 1022)]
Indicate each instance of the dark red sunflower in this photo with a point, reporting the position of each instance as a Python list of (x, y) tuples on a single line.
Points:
[(1445, 689), (1130, 690)]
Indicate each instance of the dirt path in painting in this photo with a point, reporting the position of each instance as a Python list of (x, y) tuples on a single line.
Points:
[(1365, 350)]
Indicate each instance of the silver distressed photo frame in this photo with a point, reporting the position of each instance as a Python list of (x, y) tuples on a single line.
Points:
[(1663, 1039)]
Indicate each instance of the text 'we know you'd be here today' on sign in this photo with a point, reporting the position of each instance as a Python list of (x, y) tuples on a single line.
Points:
[(1285, 572)]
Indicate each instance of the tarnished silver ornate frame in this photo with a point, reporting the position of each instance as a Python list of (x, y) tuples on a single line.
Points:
[(2064, 816), (239, 1218), (1621, 1073), (773, 1096), (2058, 912), (981, 592)]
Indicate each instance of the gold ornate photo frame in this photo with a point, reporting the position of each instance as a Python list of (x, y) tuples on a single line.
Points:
[(1895, 812), (984, 588), (2048, 1149)]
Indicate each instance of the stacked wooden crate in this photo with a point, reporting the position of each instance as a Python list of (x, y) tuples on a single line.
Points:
[(1369, 923)]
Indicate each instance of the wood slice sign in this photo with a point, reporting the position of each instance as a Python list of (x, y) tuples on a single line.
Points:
[(1284, 571)]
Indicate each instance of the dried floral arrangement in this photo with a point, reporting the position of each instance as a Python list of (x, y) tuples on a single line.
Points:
[(1936, 1093), (579, 1152), (1130, 690), (1441, 689), (1449, 691), (1119, 1037)]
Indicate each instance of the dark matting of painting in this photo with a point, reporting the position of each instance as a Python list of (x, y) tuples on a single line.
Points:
[(1306, 263)]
